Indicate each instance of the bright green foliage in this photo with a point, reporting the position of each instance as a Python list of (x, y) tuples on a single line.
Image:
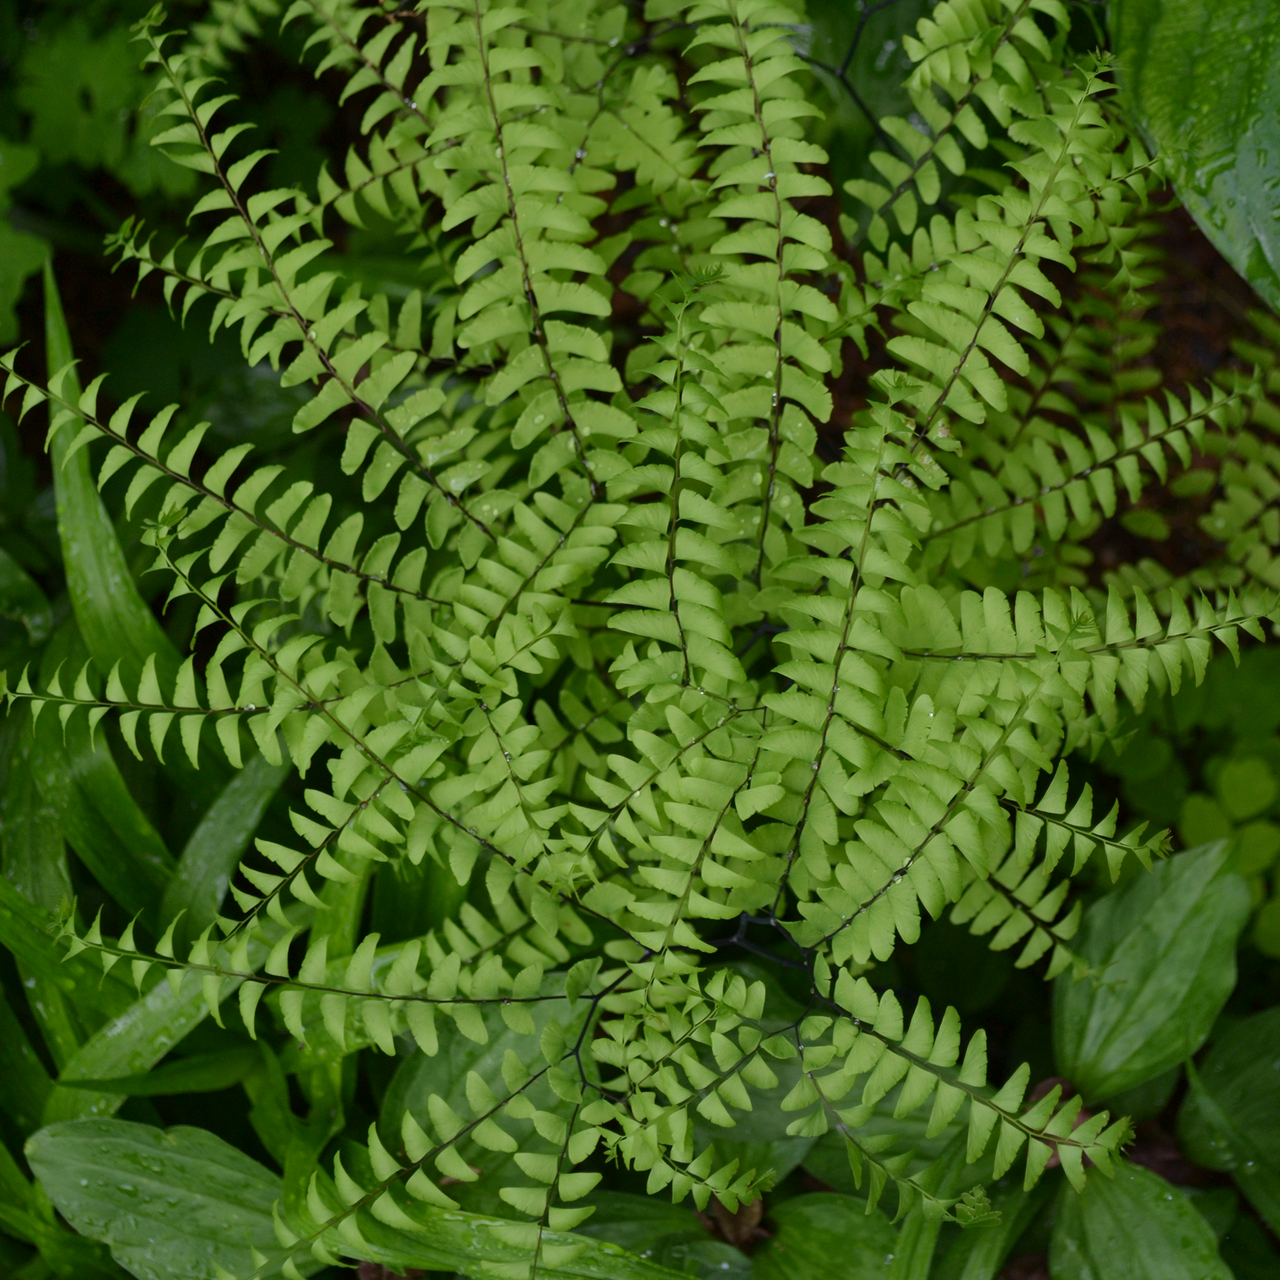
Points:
[(605, 639)]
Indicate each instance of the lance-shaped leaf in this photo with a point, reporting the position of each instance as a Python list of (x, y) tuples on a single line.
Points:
[(1133, 1225), (1162, 952), (113, 617), (1231, 1117), (175, 1203)]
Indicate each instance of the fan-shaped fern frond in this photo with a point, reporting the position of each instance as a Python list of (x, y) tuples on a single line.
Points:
[(619, 651)]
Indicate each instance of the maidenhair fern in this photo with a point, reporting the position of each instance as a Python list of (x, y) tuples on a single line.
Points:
[(606, 638)]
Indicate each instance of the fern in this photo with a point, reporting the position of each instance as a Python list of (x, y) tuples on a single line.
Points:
[(609, 643)]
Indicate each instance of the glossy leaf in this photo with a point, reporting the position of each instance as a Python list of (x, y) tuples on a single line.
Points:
[(201, 1073), (1231, 1117), (1134, 1226), (637, 1222), (826, 1237), (1201, 80), (1162, 951), (169, 1203)]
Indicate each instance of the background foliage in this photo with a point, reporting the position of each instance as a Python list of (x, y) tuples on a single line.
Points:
[(143, 1136)]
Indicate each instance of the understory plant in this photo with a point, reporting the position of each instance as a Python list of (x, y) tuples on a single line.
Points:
[(679, 593)]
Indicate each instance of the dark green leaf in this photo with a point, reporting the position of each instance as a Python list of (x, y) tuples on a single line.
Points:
[(695, 1255), (99, 817), (22, 600), (637, 1223), (113, 618), (1231, 1117), (30, 836), (1162, 949), (201, 1073), (826, 1237), (26, 1215), (1134, 1226), (1147, 1100), (1201, 80), (1248, 1252), (979, 1251), (24, 1083)]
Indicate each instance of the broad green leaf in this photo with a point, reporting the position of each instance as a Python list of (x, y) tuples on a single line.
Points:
[(826, 1237), (26, 1215), (1162, 951), (1133, 1226), (1231, 1117), (201, 1073), (167, 1203), (670, 1234), (1201, 81), (1147, 1100), (215, 847), (113, 619), (182, 1202), (637, 1223), (699, 1256)]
